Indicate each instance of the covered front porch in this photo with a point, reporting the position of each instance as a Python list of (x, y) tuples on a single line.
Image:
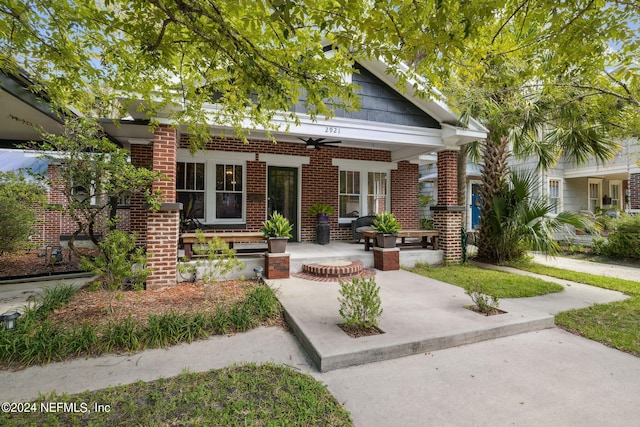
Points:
[(336, 251)]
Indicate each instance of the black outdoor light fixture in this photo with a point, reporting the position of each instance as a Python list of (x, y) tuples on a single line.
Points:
[(9, 319)]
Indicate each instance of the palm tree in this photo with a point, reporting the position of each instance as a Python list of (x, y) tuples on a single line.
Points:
[(518, 221)]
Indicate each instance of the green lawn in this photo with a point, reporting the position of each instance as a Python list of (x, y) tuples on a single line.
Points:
[(247, 395), (615, 324), (497, 283)]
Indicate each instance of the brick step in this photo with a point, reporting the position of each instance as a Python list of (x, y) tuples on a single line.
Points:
[(334, 269)]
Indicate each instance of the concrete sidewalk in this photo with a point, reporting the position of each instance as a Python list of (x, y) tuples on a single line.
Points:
[(545, 378), (597, 268)]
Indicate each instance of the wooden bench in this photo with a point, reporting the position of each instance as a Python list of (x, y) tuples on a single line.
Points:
[(427, 238), (189, 239)]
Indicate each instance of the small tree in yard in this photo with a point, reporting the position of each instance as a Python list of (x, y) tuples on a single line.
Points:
[(93, 175), (119, 264), (360, 303), (19, 200)]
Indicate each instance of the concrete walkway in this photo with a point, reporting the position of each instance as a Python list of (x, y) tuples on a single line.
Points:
[(544, 378)]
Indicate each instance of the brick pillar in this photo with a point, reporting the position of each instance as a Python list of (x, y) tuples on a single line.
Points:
[(634, 191), (277, 265), (141, 156), (386, 259), (163, 226), (447, 218)]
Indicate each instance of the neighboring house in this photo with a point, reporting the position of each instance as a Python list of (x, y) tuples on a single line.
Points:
[(22, 111), (235, 186), (588, 187)]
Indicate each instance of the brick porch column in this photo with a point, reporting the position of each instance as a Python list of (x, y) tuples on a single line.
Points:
[(447, 216), (634, 191), (163, 226)]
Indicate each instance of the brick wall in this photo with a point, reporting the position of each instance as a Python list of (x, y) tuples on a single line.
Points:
[(319, 180), (404, 192), (51, 222), (448, 218), (634, 190), (163, 226), (447, 178), (141, 156)]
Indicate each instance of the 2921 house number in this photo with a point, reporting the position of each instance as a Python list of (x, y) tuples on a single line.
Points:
[(328, 129)]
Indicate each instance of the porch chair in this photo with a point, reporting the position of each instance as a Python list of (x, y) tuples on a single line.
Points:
[(360, 225)]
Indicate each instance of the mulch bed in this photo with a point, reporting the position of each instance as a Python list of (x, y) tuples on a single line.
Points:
[(475, 308), (356, 332), (28, 263)]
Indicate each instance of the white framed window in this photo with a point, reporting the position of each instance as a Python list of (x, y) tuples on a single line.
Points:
[(595, 193), (363, 188), (349, 194), (555, 195), (229, 192), (376, 192), (615, 192), (211, 185), (190, 188)]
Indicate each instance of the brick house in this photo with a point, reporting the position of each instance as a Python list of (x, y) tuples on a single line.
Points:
[(372, 166)]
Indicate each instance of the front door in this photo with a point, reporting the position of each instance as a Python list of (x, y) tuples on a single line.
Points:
[(476, 205), (282, 195)]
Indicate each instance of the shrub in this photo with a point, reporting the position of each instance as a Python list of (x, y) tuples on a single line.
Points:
[(624, 242), (221, 260), (485, 303), (119, 263), (360, 303), (19, 200)]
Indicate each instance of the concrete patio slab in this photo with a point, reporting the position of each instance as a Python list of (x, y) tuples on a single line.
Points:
[(419, 315)]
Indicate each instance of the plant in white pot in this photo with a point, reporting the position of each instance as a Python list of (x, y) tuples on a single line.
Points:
[(277, 230), (386, 226)]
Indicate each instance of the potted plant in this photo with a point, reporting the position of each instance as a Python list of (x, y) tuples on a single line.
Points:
[(387, 227), (321, 211), (277, 230)]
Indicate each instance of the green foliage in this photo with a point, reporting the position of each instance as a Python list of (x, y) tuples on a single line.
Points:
[(53, 298), (37, 339), (19, 199), (486, 304), (320, 208), (519, 222), (360, 303), (94, 174), (386, 223), (624, 242), (120, 263), (277, 226), (498, 283), (246, 394), (220, 259)]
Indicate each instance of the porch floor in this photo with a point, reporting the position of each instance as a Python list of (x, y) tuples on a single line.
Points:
[(306, 253)]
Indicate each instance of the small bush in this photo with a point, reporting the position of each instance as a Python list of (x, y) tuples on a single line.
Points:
[(624, 242), (221, 260), (120, 262), (485, 303), (360, 303)]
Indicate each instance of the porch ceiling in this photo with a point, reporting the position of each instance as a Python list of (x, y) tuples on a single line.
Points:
[(24, 106), (404, 142)]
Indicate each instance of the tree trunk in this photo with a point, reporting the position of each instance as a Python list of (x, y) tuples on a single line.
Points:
[(495, 152)]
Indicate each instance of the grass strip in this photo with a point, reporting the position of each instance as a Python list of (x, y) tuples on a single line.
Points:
[(629, 287), (247, 395), (497, 283), (616, 324)]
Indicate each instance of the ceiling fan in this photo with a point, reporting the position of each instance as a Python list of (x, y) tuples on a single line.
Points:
[(318, 142)]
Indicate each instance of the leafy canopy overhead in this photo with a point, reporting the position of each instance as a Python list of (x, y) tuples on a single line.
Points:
[(256, 58)]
